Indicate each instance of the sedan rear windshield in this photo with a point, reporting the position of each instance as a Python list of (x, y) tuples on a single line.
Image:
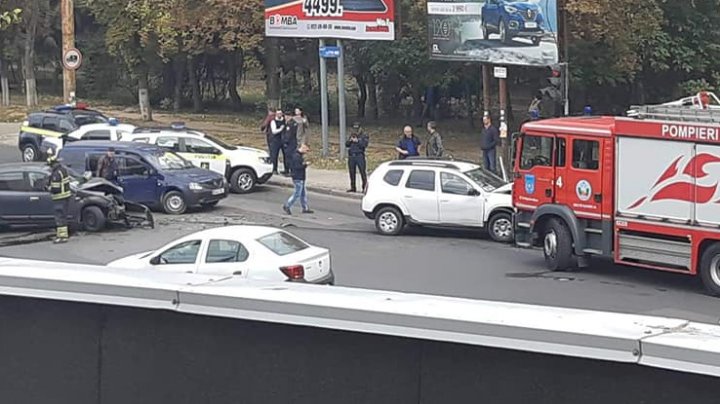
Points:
[(282, 243)]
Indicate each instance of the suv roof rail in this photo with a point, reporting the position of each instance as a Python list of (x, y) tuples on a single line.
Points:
[(424, 162), (158, 129)]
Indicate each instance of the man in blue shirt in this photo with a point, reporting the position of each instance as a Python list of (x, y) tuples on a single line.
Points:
[(408, 145)]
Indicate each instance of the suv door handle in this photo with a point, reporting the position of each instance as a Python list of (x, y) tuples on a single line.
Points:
[(408, 197), (34, 198)]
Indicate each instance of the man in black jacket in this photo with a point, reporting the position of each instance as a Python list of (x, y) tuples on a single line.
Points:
[(356, 146), (289, 142), (298, 168), (277, 128), (489, 139)]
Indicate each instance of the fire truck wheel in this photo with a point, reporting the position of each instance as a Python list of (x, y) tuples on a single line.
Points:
[(557, 246), (710, 269)]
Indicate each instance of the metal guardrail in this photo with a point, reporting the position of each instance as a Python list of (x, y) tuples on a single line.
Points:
[(667, 343)]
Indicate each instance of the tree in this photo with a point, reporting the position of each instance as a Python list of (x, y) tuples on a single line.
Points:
[(8, 19)]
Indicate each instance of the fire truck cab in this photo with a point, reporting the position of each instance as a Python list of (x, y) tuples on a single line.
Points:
[(642, 190)]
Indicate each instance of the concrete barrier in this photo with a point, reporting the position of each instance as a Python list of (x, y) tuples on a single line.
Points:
[(515, 334)]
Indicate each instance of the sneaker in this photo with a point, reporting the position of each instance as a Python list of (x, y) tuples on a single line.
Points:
[(60, 240), (351, 191), (287, 209), (308, 211)]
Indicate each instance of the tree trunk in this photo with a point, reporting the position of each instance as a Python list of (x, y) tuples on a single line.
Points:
[(29, 59), (144, 94), (372, 93), (194, 85), (362, 95), (233, 66), (307, 81), (4, 85), (272, 90), (179, 70)]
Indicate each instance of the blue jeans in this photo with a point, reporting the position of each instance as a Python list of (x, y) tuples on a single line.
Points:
[(490, 159), (299, 193)]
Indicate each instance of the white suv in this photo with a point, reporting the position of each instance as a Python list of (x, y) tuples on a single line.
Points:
[(438, 193), (112, 130), (244, 167)]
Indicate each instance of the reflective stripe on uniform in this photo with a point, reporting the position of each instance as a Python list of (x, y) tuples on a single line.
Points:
[(62, 232), (41, 132), (61, 189)]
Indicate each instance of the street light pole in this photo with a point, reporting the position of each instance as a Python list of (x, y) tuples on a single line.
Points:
[(67, 15)]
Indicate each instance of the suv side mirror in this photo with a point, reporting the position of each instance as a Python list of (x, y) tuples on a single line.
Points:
[(216, 151), (155, 260), (473, 192)]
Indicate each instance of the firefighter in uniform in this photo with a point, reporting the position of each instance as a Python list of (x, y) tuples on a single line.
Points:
[(61, 194), (356, 146)]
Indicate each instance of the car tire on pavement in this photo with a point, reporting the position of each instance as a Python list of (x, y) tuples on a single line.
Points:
[(29, 153), (389, 221), (93, 219), (500, 227), (557, 246), (710, 269), (504, 36), (485, 31), (173, 203), (242, 180)]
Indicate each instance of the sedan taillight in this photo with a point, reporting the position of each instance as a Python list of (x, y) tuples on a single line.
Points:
[(294, 272)]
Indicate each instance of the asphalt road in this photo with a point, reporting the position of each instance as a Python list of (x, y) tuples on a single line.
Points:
[(452, 263)]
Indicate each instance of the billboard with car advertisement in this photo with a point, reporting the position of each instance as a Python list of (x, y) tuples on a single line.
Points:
[(342, 19), (503, 32)]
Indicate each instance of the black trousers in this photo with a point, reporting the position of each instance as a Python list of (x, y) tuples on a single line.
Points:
[(60, 208), (357, 163), (275, 148), (288, 148)]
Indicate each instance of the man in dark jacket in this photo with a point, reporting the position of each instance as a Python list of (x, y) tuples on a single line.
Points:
[(277, 128), (408, 145), (107, 166), (356, 146), (298, 168), (434, 148), (489, 139), (289, 141)]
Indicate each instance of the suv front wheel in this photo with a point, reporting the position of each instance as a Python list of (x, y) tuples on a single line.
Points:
[(29, 152), (500, 227), (389, 221)]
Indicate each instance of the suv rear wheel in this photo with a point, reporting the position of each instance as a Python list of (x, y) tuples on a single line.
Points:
[(389, 221)]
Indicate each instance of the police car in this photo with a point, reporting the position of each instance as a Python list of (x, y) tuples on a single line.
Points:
[(112, 130), (244, 167), (53, 123)]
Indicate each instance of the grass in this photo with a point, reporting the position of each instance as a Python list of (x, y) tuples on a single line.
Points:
[(459, 139)]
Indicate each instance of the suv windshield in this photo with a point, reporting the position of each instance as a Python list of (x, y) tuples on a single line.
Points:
[(486, 179), (166, 160), (220, 142)]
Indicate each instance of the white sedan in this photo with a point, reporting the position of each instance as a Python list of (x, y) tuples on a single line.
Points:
[(255, 252)]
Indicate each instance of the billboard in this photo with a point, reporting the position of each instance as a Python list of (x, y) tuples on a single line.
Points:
[(504, 32), (342, 19)]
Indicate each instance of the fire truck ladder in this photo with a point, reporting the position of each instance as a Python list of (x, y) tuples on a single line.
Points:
[(703, 107)]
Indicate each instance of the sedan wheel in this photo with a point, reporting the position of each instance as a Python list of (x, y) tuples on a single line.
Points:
[(174, 203)]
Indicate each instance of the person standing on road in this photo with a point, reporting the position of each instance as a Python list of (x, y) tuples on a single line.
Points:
[(289, 142), (408, 145), (356, 146), (277, 127), (60, 195), (298, 169), (303, 130), (434, 148), (489, 139), (107, 166), (265, 126)]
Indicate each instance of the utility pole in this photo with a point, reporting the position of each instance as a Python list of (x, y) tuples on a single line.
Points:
[(67, 15), (341, 98)]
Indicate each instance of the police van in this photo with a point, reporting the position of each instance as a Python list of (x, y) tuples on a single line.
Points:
[(243, 167), (53, 123)]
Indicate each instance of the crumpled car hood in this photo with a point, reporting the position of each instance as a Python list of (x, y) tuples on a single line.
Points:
[(100, 185)]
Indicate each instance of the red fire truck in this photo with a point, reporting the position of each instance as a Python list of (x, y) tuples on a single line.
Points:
[(643, 190)]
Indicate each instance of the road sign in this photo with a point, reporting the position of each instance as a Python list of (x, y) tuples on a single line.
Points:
[(72, 59), (500, 72), (329, 52)]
